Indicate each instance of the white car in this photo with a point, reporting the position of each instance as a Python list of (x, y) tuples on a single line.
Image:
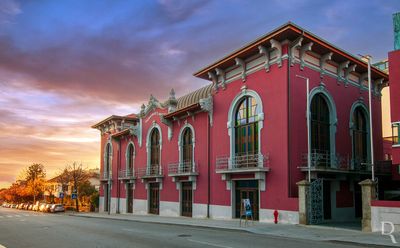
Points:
[(57, 208)]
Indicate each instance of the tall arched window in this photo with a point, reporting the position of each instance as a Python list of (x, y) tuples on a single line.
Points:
[(246, 127), (107, 166), (360, 146), (320, 125), (187, 148), (154, 150), (130, 158)]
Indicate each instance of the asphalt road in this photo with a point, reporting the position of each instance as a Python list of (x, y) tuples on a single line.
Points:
[(20, 229)]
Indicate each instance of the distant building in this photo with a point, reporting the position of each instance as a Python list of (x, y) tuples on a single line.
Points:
[(54, 188), (394, 69), (244, 136)]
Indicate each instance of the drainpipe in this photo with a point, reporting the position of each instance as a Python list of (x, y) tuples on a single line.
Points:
[(289, 132), (118, 182), (208, 167)]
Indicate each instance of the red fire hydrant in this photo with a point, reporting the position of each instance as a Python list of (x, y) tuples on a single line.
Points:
[(276, 215)]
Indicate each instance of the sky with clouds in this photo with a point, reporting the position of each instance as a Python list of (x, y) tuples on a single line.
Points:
[(65, 65)]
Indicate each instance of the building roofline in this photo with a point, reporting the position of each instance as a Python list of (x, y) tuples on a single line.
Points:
[(114, 117), (292, 27)]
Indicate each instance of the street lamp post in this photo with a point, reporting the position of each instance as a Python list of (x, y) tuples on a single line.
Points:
[(308, 126), (370, 119)]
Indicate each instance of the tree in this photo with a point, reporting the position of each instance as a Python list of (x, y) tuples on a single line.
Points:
[(85, 191), (78, 176), (64, 178), (35, 176)]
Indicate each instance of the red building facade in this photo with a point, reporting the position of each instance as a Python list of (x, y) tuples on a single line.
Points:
[(244, 136)]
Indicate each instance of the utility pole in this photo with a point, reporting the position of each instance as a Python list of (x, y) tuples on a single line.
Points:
[(370, 119), (308, 126)]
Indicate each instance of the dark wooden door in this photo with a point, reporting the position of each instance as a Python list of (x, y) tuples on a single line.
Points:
[(154, 198), (247, 190), (106, 198), (327, 200), (130, 198), (187, 199)]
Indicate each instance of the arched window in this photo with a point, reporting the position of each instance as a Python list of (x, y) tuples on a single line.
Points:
[(187, 148), (320, 125), (130, 157), (107, 166), (154, 150), (360, 136), (246, 127)]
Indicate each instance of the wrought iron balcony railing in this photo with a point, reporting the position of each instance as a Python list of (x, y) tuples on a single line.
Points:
[(126, 174), (106, 175), (182, 168), (242, 162), (150, 171), (323, 160)]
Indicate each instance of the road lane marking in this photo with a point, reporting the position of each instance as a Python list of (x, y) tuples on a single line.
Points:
[(26, 214), (8, 216), (2, 246), (207, 243), (17, 215)]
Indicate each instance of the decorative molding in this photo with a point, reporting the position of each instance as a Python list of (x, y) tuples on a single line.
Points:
[(333, 121), (169, 124), (303, 50), (359, 104), (264, 51), (277, 45), (342, 66), (322, 62), (206, 104), (361, 79), (221, 73), (180, 143), (379, 85), (347, 72), (172, 102), (232, 115), (214, 79), (240, 62), (152, 105), (293, 46)]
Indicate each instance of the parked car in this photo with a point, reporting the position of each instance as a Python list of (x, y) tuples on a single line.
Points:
[(30, 207), (57, 208), (42, 207), (47, 208)]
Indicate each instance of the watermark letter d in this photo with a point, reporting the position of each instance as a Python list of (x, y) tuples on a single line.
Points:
[(390, 224)]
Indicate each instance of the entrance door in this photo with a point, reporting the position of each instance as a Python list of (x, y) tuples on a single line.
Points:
[(106, 198), (357, 200), (327, 200), (187, 199), (154, 197), (246, 189), (129, 198)]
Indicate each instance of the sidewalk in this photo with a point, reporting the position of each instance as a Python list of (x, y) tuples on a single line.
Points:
[(314, 233)]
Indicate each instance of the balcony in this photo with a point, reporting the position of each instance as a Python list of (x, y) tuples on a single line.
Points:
[(106, 176), (323, 161), (183, 169), (151, 172), (243, 164), (126, 175)]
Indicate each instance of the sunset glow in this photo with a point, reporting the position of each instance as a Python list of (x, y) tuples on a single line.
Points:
[(66, 65)]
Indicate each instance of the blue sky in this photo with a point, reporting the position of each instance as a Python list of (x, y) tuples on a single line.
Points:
[(64, 65)]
